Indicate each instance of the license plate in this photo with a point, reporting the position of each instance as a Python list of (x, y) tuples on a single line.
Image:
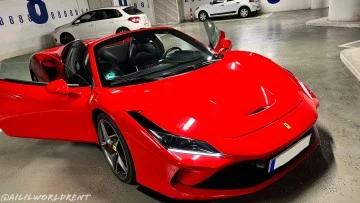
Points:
[(289, 154)]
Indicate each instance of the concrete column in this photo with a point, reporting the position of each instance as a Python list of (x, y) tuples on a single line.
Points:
[(319, 4), (344, 10)]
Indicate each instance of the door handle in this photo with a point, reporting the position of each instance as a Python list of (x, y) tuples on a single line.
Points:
[(91, 25), (111, 22), (222, 5)]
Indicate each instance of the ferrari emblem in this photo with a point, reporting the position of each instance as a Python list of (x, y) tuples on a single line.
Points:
[(114, 148), (287, 126)]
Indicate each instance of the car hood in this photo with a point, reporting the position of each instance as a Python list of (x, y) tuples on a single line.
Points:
[(233, 97)]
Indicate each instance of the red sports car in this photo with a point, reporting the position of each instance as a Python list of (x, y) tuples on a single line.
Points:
[(170, 113)]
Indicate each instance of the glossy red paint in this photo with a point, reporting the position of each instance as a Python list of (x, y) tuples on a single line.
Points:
[(224, 43), (222, 99)]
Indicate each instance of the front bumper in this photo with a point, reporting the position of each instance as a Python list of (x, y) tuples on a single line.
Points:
[(195, 177), (242, 177)]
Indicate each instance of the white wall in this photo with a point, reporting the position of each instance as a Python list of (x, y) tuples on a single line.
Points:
[(344, 10), (25, 36), (166, 12), (285, 5), (99, 3)]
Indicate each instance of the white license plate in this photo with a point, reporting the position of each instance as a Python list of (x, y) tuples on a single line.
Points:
[(289, 154)]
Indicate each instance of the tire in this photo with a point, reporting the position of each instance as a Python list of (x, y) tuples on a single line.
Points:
[(66, 38), (203, 16), (244, 12), (115, 149), (122, 29)]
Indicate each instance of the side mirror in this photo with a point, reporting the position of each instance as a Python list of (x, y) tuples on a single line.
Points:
[(60, 87), (225, 45), (211, 3)]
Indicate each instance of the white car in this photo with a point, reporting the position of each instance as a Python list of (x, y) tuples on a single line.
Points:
[(217, 8), (100, 23)]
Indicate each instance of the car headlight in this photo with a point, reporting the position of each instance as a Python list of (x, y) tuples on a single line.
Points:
[(184, 145), (197, 8), (175, 143), (56, 30)]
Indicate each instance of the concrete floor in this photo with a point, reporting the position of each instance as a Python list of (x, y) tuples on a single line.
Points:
[(330, 174)]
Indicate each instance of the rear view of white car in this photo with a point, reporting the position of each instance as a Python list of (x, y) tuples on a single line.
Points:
[(217, 8), (100, 23)]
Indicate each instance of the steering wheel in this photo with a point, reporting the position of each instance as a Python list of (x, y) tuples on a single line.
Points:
[(168, 51)]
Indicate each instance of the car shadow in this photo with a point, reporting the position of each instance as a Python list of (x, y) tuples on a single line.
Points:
[(290, 186)]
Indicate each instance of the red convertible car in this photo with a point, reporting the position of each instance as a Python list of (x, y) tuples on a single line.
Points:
[(187, 120)]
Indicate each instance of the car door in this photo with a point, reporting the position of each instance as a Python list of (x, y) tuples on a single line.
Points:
[(84, 27), (106, 25), (231, 7), (54, 110), (216, 8)]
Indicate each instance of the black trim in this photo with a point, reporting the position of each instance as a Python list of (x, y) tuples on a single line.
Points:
[(142, 120), (224, 13), (25, 82)]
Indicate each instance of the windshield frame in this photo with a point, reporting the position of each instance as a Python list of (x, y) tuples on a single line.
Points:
[(206, 50)]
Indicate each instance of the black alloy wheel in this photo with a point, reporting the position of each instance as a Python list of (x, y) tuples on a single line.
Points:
[(115, 149)]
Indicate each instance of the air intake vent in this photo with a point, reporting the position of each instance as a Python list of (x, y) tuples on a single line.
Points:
[(259, 110)]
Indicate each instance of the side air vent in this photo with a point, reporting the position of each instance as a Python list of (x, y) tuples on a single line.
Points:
[(142, 120)]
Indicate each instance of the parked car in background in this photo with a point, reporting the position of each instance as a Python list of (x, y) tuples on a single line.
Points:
[(217, 8), (100, 23)]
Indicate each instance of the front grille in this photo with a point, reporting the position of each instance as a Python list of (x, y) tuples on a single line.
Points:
[(248, 173)]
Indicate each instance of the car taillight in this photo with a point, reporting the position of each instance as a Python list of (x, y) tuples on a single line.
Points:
[(134, 19)]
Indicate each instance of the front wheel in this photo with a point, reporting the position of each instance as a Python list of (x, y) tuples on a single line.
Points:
[(115, 149), (203, 16), (244, 12)]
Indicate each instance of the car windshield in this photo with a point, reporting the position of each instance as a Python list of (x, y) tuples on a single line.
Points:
[(149, 55)]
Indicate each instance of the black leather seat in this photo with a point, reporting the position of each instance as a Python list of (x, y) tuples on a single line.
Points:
[(145, 52), (74, 63), (114, 62)]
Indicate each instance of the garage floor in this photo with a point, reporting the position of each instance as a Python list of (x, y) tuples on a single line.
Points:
[(331, 174)]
